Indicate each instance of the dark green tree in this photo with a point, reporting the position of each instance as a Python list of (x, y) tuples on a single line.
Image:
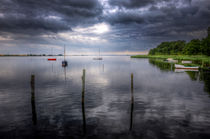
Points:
[(168, 48), (193, 47), (205, 46)]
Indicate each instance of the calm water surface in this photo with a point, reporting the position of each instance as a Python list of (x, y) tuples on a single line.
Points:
[(164, 103)]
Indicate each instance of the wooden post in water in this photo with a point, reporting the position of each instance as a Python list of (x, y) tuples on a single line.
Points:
[(83, 102), (132, 104), (33, 106)]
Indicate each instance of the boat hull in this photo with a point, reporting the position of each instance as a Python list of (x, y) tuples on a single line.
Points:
[(64, 63), (188, 68), (100, 58), (184, 70), (184, 67), (51, 59)]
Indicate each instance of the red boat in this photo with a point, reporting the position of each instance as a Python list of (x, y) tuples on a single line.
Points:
[(51, 59)]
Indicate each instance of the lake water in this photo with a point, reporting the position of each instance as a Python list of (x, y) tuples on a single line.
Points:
[(163, 103)]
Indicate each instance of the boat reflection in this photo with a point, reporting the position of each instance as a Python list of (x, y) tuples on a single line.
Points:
[(184, 70), (194, 74), (163, 66), (64, 70)]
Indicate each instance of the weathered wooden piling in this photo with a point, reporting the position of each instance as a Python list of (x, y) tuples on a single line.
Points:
[(83, 102), (131, 82), (132, 104), (33, 105)]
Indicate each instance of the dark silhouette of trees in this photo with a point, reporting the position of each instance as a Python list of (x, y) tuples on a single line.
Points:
[(194, 47), (205, 46)]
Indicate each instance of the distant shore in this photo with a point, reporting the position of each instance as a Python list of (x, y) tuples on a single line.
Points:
[(198, 60), (176, 57), (25, 55)]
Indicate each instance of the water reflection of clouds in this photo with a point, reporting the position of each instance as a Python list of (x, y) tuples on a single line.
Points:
[(158, 96)]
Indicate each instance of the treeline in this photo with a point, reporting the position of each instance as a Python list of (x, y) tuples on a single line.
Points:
[(180, 47)]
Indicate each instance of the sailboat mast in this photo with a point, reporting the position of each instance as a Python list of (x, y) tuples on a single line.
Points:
[(64, 52), (99, 51)]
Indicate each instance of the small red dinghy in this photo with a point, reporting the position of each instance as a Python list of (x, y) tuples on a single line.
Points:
[(51, 59)]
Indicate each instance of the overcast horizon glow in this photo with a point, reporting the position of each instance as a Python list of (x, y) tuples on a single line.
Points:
[(116, 26)]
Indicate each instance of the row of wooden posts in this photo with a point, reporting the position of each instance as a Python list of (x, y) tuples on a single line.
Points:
[(33, 105)]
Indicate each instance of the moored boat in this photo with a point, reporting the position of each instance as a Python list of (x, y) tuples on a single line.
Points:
[(185, 67), (64, 62), (99, 57), (51, 59), (186, 62), (171, 60)]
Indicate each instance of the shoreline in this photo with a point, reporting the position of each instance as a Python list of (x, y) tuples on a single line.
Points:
[(176, 57)]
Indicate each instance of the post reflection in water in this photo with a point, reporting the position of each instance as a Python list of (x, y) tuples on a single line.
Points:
[(33, 106), (83, 102), (132, 104)]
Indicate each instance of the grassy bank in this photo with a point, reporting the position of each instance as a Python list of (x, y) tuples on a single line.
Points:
[(176, 57)]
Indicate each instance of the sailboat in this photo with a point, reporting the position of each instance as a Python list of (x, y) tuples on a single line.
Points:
[(51, 59), (64, 62), (98, 58)]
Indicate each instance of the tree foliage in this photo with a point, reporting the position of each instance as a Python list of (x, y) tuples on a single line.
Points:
[(205, 46), (169, 48), (194, 47)]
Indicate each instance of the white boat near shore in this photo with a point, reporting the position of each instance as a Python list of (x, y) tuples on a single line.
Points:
[(171, 60), (186, 67), (186, 62)]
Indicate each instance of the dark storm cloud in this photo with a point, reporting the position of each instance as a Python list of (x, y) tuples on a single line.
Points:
[(125, 18), (165, 14), (37, 16), (31, 25), (133, 24), (168, 20), (130, 4)]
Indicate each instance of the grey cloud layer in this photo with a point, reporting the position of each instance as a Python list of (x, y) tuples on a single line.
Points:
[(132, 3), (46, 15), (166, 20), (142, 23)]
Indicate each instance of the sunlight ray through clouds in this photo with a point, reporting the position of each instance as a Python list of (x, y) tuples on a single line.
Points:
[(97, 29)]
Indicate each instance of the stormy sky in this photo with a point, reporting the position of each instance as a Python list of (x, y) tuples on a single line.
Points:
[(84, 26)]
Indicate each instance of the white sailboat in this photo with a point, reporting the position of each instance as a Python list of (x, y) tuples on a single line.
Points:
[(177, 66), (99, 57)]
